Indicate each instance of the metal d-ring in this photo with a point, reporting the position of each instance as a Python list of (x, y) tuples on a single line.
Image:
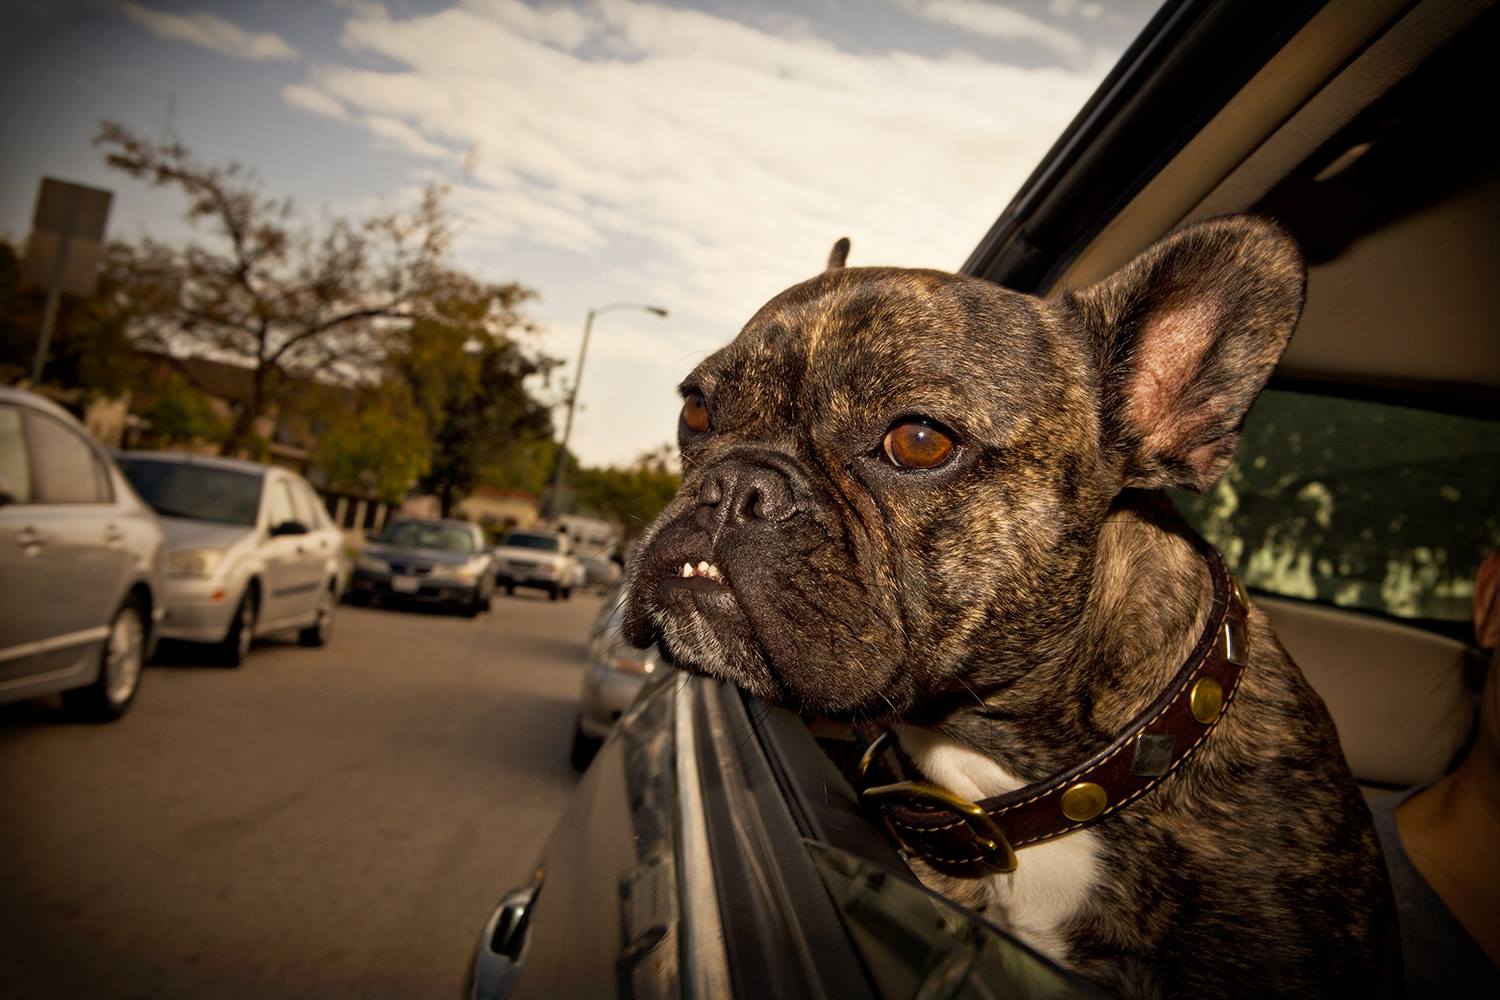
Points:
[(987, 833)]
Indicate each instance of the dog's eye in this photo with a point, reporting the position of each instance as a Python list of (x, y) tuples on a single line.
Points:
[(917, 445), (695, 412)]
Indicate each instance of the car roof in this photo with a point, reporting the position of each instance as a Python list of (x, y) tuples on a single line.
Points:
[(207, 461), (24, 397), (1223, 108)]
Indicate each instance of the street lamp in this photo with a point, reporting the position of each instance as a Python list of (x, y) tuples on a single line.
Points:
[(554, 500)]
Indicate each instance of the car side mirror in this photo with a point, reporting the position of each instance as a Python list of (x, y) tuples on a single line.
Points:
[(289, 528)]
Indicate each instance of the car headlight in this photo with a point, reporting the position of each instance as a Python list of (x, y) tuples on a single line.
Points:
[(194, 562), (372, 564), (463, 573)]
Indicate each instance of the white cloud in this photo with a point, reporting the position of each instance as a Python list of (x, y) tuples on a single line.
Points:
[(211, 32), (693, 160), (315, 101), (1000, 22)]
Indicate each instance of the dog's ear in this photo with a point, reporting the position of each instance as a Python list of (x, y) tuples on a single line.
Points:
[(1185, 336), (838, 254)]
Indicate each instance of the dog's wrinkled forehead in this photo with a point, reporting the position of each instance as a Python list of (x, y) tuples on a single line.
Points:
[(860, 344)]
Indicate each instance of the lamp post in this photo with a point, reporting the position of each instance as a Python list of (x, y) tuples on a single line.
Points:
[(554, 499)]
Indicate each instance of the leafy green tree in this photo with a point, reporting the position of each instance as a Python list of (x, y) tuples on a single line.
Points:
[(377, 445), (467, 368), (178, 413)]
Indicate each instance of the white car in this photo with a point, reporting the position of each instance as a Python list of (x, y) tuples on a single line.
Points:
[(250, 550), (540, 559)]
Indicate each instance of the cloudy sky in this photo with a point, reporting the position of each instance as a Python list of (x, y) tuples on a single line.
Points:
[(701, 156)]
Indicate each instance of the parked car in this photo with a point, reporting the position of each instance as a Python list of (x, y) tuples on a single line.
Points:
[(615, 675), (539, 559), (427, 561), (251, 550), (81, 565), (715, 847), (601, 572)]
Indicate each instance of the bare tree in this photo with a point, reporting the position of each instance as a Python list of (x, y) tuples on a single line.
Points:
[(266, 290)]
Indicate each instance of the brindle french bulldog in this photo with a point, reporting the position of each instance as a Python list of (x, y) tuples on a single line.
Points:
[(918, 501)]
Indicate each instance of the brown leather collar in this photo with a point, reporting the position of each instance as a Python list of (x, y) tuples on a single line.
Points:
[(973, 839)]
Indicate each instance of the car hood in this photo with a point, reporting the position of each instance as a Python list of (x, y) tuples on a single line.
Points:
[(402, 553), (185, 533)]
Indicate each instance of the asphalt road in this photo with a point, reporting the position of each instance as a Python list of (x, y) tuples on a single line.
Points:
[(320, 822)]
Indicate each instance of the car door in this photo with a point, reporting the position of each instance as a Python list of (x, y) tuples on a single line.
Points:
[(62, 554), (284, 554), (321, 545)]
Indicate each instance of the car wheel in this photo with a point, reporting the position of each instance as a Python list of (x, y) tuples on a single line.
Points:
[(510, 590), (567, 593), (472, 606), (121, 663), (236, 645), (360, 598), (553, 592), (581, 754), (321, 630)]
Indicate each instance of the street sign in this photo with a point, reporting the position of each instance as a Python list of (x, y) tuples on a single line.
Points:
[(71, 214), (66, 245)]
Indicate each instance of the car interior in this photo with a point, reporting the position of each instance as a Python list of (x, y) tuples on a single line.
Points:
[(1357, 136)]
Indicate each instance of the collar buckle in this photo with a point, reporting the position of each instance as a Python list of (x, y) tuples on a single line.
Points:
[(986, 833)]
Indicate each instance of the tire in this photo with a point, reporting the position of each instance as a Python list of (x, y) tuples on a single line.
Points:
[(236, 645), (567, 593), (360, 598), (121, 664), (510, 590), (321, 630), (472, 607), (553, 592), (582, 752)]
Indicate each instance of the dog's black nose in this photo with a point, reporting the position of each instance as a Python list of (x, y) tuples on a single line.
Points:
[(737, 493)]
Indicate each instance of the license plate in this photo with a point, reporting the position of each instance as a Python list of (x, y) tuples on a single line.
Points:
[(405, 584)]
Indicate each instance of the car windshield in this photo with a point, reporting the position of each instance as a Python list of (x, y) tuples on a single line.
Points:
[(198, 492), (428, 535), (520, 540)]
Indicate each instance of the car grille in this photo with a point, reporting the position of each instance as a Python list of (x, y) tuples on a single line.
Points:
[(521, 564), (409, 568)]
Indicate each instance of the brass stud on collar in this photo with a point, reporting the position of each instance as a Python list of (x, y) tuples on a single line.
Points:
[(1233, 637), (1206, 700), (1238, 589), (1084, 801)]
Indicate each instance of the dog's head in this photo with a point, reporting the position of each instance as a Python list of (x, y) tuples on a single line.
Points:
[(892, 475)]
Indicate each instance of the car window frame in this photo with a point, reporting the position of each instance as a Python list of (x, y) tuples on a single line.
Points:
[(272, 483), (104, 487), (318, 516), (26, 458)]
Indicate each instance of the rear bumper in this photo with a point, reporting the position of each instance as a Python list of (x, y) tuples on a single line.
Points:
[(428, 591)]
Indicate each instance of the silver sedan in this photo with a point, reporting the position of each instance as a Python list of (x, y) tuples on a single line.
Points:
[(80, 565), (251, 550)]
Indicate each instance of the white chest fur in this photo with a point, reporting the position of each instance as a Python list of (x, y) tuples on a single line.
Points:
[(1052, 880)]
